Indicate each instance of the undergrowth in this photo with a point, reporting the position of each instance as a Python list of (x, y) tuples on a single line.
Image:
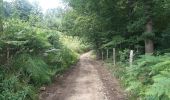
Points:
[(30, 57), (147, 79)]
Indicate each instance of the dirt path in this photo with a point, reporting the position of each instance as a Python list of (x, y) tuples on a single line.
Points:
[(88, 80)]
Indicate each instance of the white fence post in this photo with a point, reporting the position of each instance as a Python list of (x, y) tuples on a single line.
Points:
[(131, 58), (114, 57)]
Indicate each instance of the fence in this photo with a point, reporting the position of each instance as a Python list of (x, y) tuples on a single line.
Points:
[(131, 56)]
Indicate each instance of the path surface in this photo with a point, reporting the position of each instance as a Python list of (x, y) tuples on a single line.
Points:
[(88, 80)]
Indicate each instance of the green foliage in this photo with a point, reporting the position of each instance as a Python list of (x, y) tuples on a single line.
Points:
[(116, 40), (104, 22), (160, 88), (147, 35), (137, 25), (148, 78), (12, 87), (123, 55), (32, 46), (1, 16), (34, 68), (73, 44), (32, 51), (31, 56)]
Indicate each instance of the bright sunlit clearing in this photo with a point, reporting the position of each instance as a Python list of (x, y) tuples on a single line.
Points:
[(49, 4)]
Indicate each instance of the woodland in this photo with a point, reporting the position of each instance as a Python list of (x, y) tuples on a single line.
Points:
[(36, 46)]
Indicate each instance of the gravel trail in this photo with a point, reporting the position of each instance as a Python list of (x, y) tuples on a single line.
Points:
[(87, 80)]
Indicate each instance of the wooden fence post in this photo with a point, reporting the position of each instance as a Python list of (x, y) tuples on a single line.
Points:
[(102, 56), (107, 54), (131, 58), (114, 56)]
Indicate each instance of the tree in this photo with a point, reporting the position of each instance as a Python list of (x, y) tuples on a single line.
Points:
[(53, 18), (149, 45), (141, 23), (18, 8)]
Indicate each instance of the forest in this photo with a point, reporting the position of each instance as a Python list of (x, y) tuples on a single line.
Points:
[(37, 46)]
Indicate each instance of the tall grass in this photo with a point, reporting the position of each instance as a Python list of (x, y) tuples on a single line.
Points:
[(76, 44)]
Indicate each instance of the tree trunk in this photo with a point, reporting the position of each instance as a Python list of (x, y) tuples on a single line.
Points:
[(149, 44), (149, 47), (1, 26), (130, 9)]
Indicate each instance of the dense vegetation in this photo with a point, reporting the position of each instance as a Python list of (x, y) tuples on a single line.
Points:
[(32, 50), (133, 24), (139, 25), (35, 46)]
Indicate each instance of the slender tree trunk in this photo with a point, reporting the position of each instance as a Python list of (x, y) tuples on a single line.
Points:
[(1, 26), (149, 44), (130, 9)]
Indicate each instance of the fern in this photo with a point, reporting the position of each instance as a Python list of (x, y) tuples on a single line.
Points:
[(160, 88), (35, 68), (35, 56), (161, 66), (149, 78), (13, 89)]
